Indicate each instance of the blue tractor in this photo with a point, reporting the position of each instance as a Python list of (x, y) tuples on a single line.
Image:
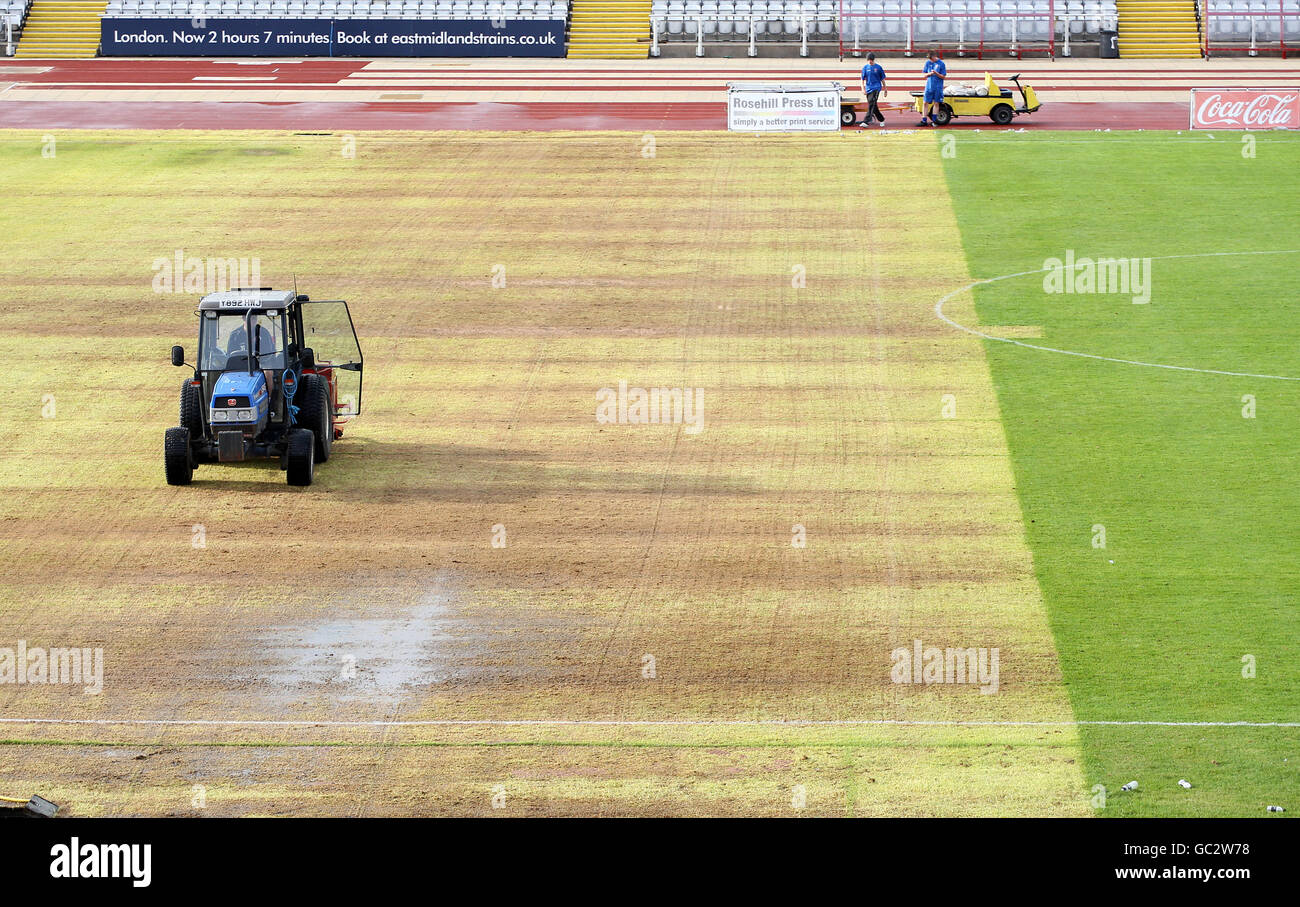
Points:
[(278, 375)]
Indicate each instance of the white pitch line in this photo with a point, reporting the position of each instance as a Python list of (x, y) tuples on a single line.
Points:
[(546, 722), (938, 310)]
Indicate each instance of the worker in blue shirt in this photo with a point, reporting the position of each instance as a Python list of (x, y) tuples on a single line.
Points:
[(934, 71), (873, 87)]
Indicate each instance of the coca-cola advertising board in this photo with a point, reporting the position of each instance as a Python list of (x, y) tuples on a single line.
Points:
[(1245, 108)]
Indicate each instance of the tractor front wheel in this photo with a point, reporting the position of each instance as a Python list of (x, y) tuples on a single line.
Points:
[(176, 456), (847, 116), (315, 413), (300, 457), (1001, 114)]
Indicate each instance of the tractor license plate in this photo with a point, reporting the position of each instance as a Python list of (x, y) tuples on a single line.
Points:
[(230, 446)]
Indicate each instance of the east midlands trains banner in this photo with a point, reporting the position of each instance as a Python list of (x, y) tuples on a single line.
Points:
[(1245, 108), (332, 38)]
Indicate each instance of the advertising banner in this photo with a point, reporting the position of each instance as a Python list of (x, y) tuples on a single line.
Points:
[(805, 107), (332, 37), (1245, 108)]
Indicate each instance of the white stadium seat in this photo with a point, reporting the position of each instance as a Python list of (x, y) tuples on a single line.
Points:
[(676, 17), (726, 12)]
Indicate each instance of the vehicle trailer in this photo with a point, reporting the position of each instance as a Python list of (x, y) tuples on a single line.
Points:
[(277, 375)]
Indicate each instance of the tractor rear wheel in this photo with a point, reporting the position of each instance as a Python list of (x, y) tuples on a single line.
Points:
[(300, 458), (192, 408), (176, 456), (315, 412), (943, 116)]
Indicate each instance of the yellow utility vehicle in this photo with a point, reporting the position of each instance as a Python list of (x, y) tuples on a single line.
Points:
[(998, 104)]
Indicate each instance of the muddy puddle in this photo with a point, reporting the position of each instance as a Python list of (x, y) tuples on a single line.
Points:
[(404, 642)]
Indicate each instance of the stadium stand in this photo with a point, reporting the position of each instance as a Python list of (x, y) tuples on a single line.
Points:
[(1017, 25), (628, 28), (1158, 28), (61, 28), (1253, 24), (12, 14), (14, 11), (609, 28), (339, 9)]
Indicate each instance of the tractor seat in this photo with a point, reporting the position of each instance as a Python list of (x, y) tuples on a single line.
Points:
[(237, 363)]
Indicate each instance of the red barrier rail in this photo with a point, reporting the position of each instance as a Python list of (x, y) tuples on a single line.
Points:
[(1014, 45), (1273, 11)]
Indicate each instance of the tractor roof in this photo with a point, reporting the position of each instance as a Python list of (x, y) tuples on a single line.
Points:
[(243, 300)]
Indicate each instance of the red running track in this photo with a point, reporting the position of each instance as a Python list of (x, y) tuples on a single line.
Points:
[(539, 116), (182, 73), (601, 111)]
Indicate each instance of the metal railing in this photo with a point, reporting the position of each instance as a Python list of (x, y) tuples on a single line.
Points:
[(659, 26), (1255, 37), (970, 33)]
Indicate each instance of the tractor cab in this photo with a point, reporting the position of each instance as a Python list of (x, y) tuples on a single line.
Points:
[(271, 365), (242, 357)]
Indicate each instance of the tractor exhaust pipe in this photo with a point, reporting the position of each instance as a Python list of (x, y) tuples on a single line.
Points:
[(251, 337)]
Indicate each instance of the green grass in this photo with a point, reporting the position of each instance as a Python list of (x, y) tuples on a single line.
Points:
[(1198, 502)]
